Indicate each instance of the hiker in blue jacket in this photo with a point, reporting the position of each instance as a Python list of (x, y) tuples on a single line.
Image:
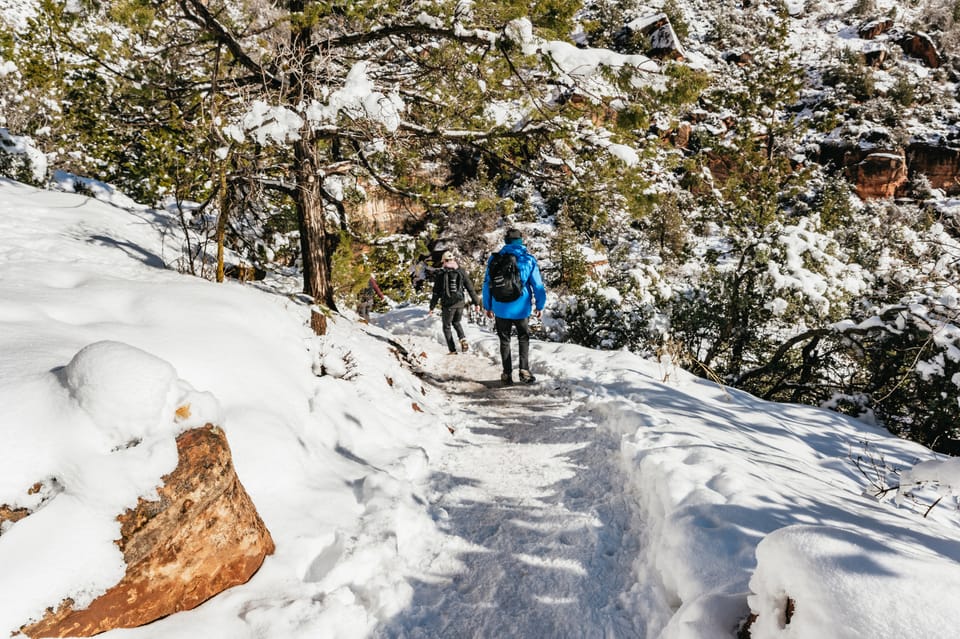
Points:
[(516, 313)]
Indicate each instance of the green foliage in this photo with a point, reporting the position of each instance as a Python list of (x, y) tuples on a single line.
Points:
[(603, 20), (355, 260), (138, 15), (896, 368), (675, 14), (18, 167), (666, 228), (569, 266), (554, 17), (349, 271), (719, 321), (633, 194), (864, 8), (634, 42), (685, 85), (834, 204), (915, 404), (390, 262), (903, 92), (130, 129), (851, 74), (585, 212), (283, 220), (633, 117)]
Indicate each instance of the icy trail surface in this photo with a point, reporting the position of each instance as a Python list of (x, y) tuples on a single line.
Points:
[(539, 540)]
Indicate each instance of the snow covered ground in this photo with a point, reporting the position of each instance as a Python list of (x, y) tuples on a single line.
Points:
[(409, 495)]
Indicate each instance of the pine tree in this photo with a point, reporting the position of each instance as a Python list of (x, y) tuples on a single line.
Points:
[(204, 81)]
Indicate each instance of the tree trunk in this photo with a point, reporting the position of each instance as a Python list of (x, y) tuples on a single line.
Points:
[(313, 232), (222, 221), (314, 243)]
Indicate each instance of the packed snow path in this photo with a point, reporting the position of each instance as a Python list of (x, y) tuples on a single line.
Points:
[(539, 543)]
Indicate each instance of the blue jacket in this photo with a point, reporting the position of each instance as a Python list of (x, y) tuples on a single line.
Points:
[(533, 290)]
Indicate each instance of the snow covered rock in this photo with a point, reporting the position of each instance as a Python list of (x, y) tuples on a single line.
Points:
[(879, 175), (874, 28), (940, 163), (131, 394), (796, 590), (201, 536), (919, 45), (34, 498), (664, 43), (875, 56)]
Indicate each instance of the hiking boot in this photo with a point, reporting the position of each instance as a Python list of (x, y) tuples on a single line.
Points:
[(527, 377), (464, 346), (506, 378), (453, 352)]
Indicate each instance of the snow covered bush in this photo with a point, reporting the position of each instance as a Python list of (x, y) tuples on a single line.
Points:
[(600, 317)]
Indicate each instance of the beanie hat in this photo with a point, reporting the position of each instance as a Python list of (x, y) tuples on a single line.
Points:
[(513, 234)]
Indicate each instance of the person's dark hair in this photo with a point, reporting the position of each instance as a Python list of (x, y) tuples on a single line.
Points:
[(513, 234)]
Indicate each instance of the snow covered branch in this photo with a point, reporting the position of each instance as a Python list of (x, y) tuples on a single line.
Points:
[(200, 14)]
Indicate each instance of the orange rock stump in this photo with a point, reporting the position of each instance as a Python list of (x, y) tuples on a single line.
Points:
[(202, 536)]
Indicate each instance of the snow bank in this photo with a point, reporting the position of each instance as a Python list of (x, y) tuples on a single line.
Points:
[(747, 503), (826, 581), (102, 346)]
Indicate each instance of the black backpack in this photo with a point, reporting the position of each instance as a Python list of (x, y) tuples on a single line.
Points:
[(451, 287), (505, 284)]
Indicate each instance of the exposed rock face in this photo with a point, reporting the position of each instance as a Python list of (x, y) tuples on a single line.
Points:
[(202, 536), (875, 57), (664, 43), (739, 58), (681, 135), (11, 515), (386, 213), (34, 498), (878, 175), (919, 45), (939, 163), (874, 28)]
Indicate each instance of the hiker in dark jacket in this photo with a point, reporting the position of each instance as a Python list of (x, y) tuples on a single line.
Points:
[(448, 286), (367, 298), (516, 313)]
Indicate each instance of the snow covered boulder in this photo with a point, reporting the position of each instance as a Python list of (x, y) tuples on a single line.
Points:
[(827, 581), (920, 45), (201, 536), (873, 29), (939, 162), (879, 174), (129, 454), (129, 393), (663, 41)]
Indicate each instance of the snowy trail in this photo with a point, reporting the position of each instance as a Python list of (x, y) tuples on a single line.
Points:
[(539, 542)]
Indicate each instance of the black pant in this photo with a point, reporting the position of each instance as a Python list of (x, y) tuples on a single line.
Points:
[(451, 316), (364, 306), (504, 331)]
